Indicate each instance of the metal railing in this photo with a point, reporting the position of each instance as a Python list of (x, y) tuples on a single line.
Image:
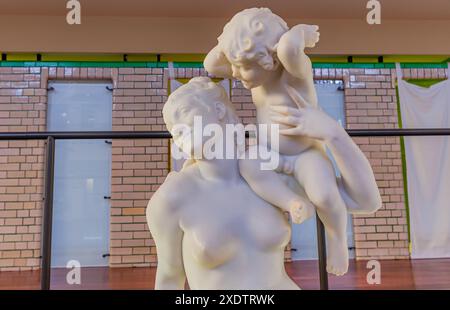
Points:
[(50, 138)]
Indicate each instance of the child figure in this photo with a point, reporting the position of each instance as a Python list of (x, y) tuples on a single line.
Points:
[(257, 48)]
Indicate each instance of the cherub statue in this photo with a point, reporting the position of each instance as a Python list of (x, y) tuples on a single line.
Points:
[(258, 48)]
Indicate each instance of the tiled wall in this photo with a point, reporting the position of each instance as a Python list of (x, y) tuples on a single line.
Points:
[(371, 104), (139, 166), (22, 108)]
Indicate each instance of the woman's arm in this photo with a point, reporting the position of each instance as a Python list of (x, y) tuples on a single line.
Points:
[(163, 221), (357, 182)]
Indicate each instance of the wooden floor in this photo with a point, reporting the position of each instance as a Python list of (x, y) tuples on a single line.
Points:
[(398, 274)]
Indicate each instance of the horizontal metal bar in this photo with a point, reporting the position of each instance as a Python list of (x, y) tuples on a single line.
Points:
[(399, 132), (43, 135), (85, 135)]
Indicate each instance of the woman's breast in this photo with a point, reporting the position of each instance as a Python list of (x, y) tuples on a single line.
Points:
[(210, 243), (268, 228), (225, 230)]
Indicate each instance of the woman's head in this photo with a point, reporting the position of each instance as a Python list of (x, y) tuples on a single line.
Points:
[(251, 36), (200, 98)]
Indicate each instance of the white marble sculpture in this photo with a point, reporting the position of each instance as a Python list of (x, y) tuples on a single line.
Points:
[(211, 226), (257, 48), (207, 223)]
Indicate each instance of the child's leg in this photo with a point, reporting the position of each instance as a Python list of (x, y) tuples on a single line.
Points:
[(315, 172), (269, 186)]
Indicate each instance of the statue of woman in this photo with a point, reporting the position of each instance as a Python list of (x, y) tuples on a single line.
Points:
[(208, 225)]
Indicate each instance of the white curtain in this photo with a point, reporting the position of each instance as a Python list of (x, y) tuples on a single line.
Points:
[(428, 167)]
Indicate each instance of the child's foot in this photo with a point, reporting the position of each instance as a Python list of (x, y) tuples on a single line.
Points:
[(300, 210), (337, 256)]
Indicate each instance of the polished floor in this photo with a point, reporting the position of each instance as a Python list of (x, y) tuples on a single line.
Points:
[(395, 274)]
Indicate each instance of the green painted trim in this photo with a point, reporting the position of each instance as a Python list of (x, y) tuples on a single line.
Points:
[(182, 80), (416, 58), (18, 64), (142, 57), (185, 80), (365, 59), (188, 65), (198, 58), (329, 59), (183, 57), (82, 64), (163, 64), (383, 65), (21, 57), (82, 57), (424, 82), (425, 65), (353, 65)]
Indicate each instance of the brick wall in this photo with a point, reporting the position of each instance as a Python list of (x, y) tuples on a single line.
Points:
[(371, 103), (139, 166), (22, 108)]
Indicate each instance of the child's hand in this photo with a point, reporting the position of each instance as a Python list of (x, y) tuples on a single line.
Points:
[(311, 34), (299, 36)]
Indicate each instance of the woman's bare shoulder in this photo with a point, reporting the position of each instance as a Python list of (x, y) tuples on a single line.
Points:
[(175, 187)]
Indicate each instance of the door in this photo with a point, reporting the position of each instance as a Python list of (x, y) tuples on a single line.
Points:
[(82, 182), (304, 236)]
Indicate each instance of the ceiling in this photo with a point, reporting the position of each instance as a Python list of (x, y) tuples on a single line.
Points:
[(310, 9)]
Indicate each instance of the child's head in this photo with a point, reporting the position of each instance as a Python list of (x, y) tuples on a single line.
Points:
[(199, 97), (251, 36)]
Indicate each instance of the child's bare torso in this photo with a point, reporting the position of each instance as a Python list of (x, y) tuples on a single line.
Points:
[(265, 98)]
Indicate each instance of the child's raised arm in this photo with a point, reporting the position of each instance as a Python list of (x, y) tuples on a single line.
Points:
[(290, 50), (217, 64)]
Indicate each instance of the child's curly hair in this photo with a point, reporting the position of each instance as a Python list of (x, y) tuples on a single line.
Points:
[(252, 34)]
